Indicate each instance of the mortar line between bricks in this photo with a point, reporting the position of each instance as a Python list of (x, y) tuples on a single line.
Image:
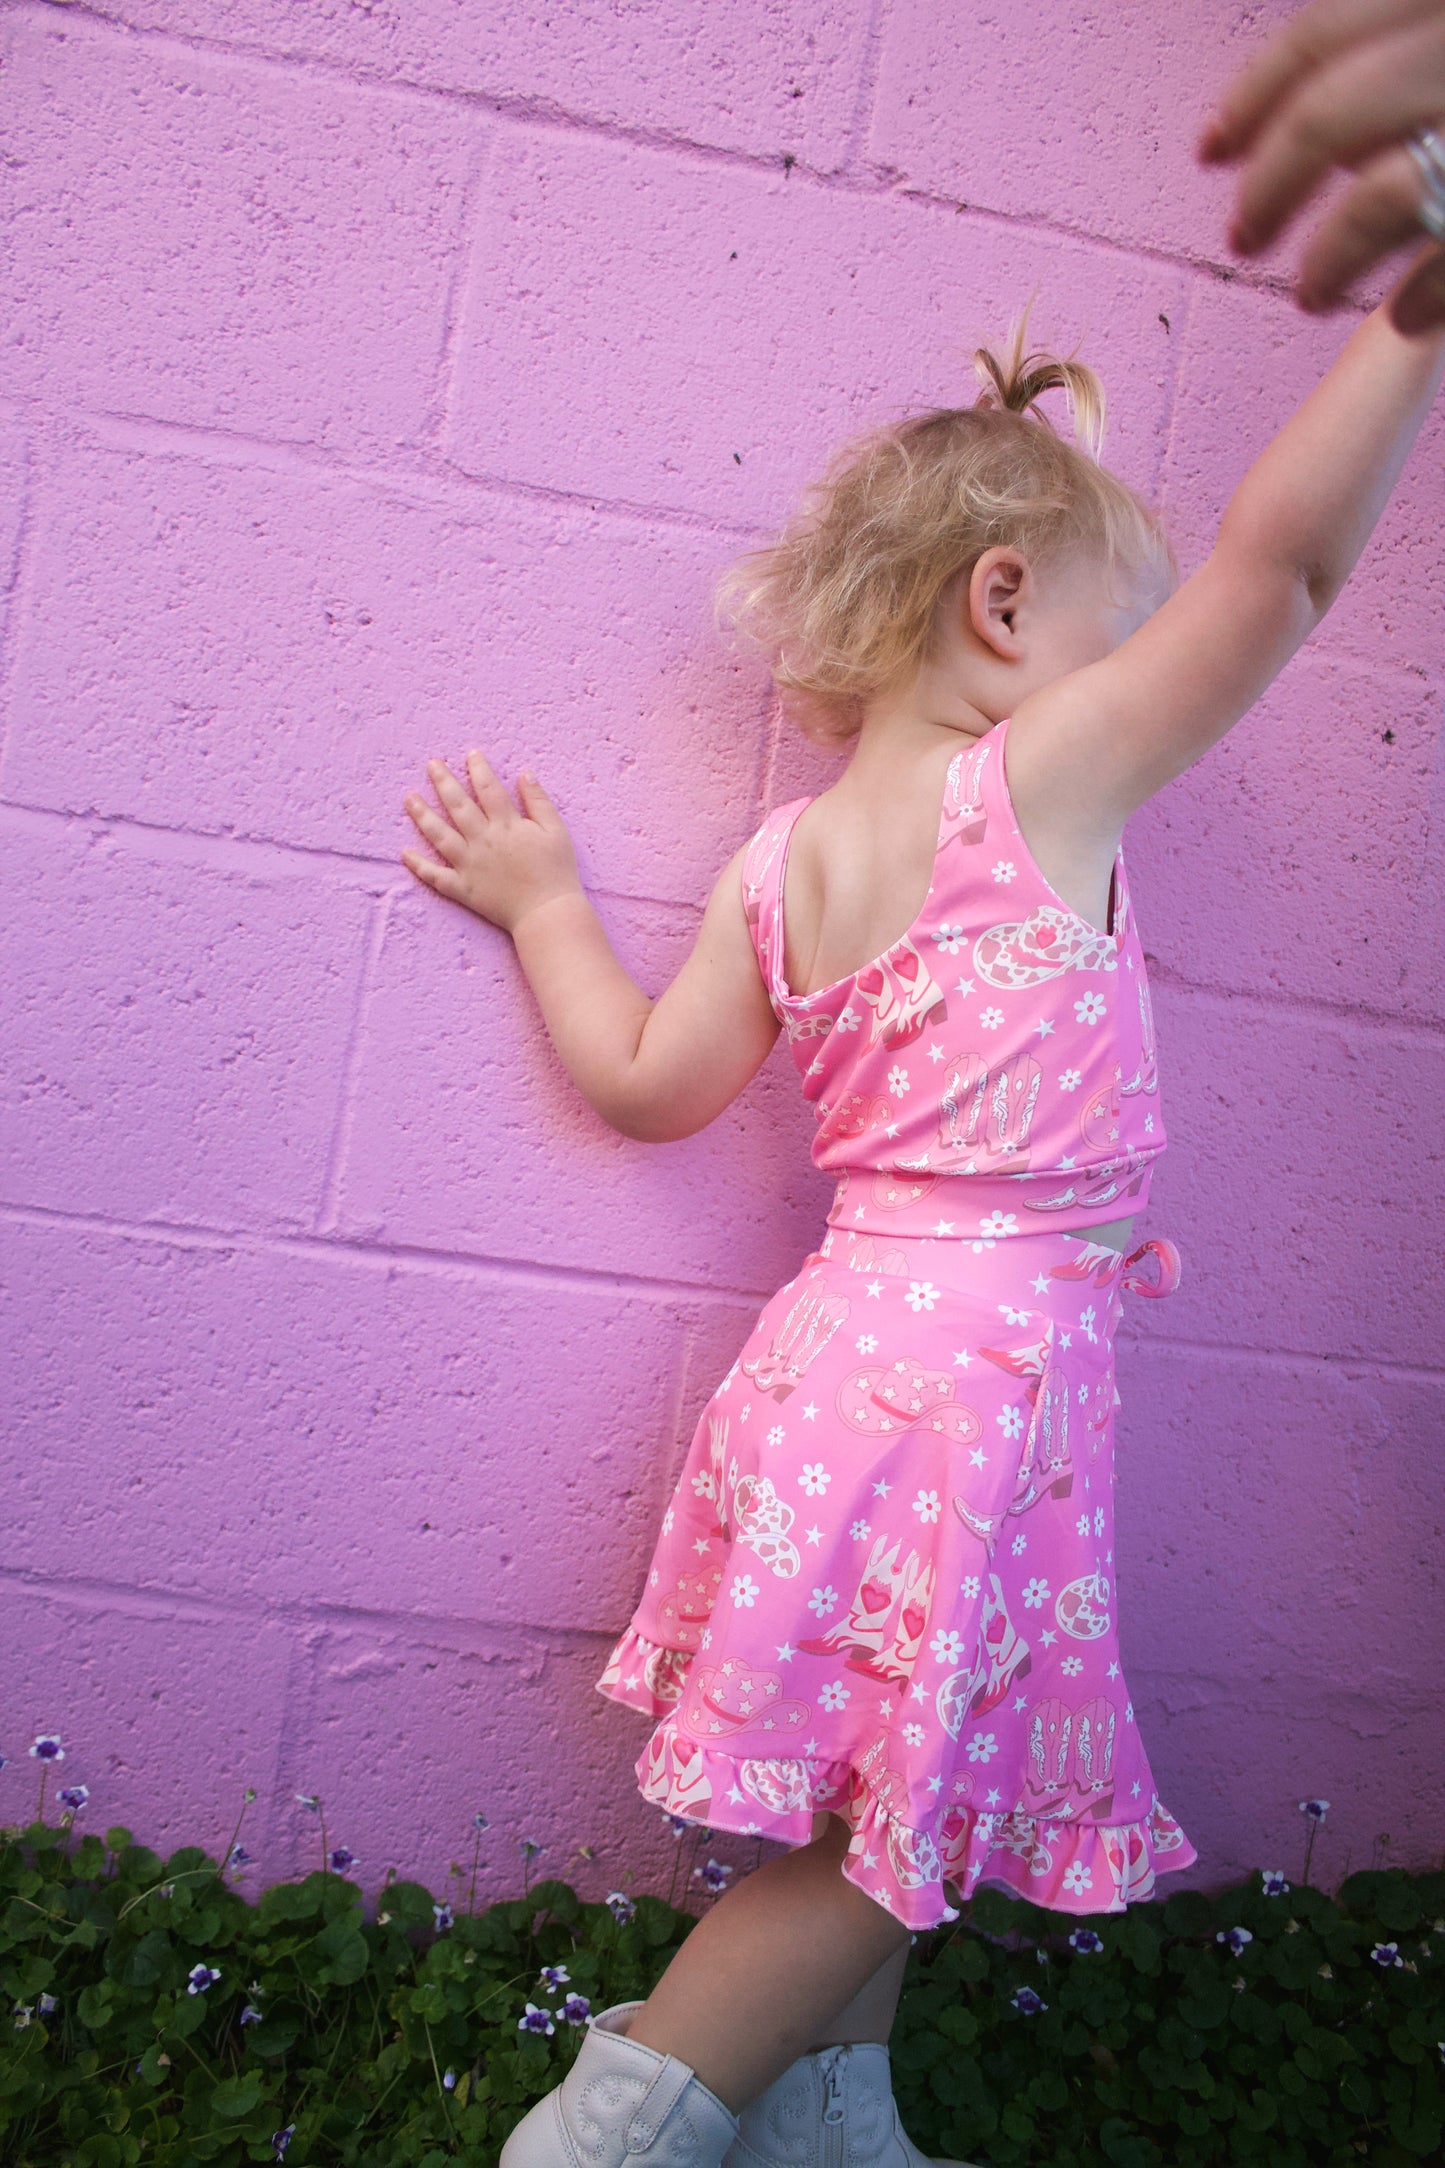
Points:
[(17, 596), (1358, 1369), (434, 482), (545, 116), (295, 1615), (383, 1256), (1411, 1030), (339, 1149)]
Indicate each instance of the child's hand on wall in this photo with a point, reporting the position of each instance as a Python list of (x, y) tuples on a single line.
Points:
[(499, 861)]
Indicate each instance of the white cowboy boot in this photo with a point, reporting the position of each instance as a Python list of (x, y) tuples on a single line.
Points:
[(833, 2109), (622, 2103)]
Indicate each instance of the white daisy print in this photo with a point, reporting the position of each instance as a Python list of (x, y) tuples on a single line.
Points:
[(1089, 1009), (1088, 1319), (947, 1646), (1011, 1421), (861, 1531), (922, 1295), (898, 1081), (1082, 1524), (667, 1520), (1077, 1877), (999, 1223), (823, 1600), (1005, 870), (814, 1478), (776, 1434), (1070, 1080), (833, 1695), (928, 1505), (982, 1746), (969, 1586), (1098, 1520), (913, 1735), (744, 1592), (867, 1344), (949, 939), (1020, 1545), (990, 1018), (1072, 1666), (1036, 1594), (847, 1020)]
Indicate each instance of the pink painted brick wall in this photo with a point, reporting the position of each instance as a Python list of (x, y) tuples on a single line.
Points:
[(374, 382)]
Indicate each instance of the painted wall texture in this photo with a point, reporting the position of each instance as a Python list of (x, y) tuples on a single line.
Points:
[(376, 380)]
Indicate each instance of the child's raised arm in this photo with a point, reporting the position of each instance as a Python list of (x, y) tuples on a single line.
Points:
[(1092, 746), (656, 1070)]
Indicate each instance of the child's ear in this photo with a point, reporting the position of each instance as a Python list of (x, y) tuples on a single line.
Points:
[(999, 586)]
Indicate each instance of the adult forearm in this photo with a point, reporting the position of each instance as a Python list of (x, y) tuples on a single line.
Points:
[(594, 1013), (1310, 501)]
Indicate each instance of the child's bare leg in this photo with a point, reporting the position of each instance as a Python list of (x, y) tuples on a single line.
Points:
[(765, 1973), (870, 2015)]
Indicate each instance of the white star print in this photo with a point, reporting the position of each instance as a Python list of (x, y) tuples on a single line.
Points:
[(1113, 1671), (1041, 1285), (978, 1458), (811, 1747), (1135, 1787), (965, 986), (935, 1784), (786, 1653), (735, 1795), (815, 1535), (919, 1693), (1048, 1637), (881, 1488), (935, 1051), (963, 1358), (810, 1413), (944, 1227), (870, 1859), (703, 1543), (1043, 1027), (991, 1799), (1021, 1704), (1066, 1339), (874, 1287), (632, 1681)]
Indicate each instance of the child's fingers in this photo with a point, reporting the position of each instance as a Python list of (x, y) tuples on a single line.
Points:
[(1418, 302), (490, 789), (431, 875), (458, 802), (440, 834), (535, 802), (1380, 213)]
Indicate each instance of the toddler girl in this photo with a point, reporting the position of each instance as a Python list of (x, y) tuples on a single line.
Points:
[(882, 1619)]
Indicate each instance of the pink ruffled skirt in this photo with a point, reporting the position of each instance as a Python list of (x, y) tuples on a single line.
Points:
[(885, 1584)]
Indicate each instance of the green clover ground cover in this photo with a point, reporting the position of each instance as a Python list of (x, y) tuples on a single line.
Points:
[(149, 2013)]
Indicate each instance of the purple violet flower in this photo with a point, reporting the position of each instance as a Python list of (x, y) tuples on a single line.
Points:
[(1387, 1953), (534, 2020), (1084, 1938), (1027, 2001), (47, 2004), (282, 2139), (620, 1905), (1273, 1882), (449, 2079), (1316, 1809), (47, 1747), (73, 1796), (676, 1824), (442, 1915), (712, 1876), (1236, 1937), (201, 1977), (576, 2010), (553, 1977), (250, 2015), (343, 1857)]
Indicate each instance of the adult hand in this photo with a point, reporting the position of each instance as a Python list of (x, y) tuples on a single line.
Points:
[(1345, 83)]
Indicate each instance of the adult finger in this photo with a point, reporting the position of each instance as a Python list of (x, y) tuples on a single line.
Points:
[(1372, 96), (1418, 302), (492, 794), (1379, 214), (439, 833), (1310, 40)]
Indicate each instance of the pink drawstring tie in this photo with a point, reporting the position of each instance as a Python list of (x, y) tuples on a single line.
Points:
[(1163, 1278)]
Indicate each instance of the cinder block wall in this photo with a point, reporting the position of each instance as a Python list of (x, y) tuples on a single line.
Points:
[(379, 380)]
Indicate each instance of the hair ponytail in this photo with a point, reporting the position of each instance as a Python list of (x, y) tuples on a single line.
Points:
[(1017, 383)]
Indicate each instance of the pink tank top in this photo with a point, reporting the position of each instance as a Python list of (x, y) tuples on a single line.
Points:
[(993, 1071)]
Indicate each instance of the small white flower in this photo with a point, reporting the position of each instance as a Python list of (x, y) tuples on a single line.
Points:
[(860, 1531), (1148, 1125), (823, 1600), (927, 1505), (947, 1646), (1072, 1666), (702, 1483), (744, 1592), (1089, 1008), (949, 939), (1088, 1319), (848, 1020), (867, 1343), (985, 1244), (1077, 1877), (1036, 1594), (1081, 1525), (1005, 870), (990, 1018), (999, 1223), (667, 1520), (1070, 1080), (968, 1587), (814, 1478), (1098, 1520), (834, 1694), (982, 1746), (1010, 1421), (913, 1735), (922, 1295), (1020, 1544), (898, 1081)]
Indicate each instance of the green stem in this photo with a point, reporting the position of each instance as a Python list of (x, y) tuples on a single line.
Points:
[(441, 2089)]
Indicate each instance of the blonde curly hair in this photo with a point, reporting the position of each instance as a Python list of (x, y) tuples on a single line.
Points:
[(844, 603)]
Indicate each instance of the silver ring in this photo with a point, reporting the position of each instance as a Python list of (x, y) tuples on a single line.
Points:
[(1428, 153)]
